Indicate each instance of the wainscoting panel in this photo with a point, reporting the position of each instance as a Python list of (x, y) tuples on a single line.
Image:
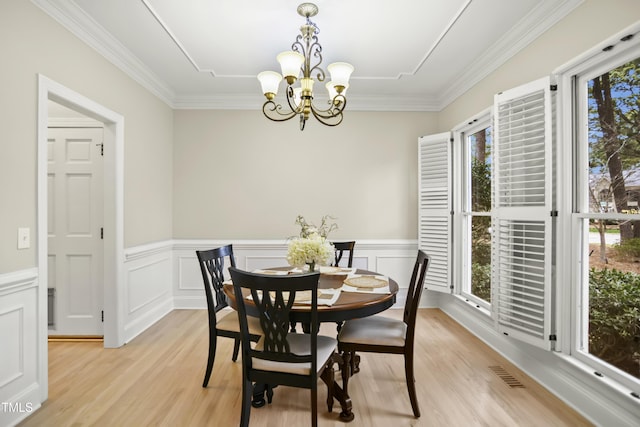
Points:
[(20, 342), (393, 258), (148, 284)]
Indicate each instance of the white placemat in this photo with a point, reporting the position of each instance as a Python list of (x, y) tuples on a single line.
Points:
[(367, 289), (326, 297)]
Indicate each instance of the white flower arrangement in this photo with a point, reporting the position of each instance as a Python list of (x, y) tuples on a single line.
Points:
[(312, 247)]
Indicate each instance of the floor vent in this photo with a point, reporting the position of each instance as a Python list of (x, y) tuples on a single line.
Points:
[(506, 377)]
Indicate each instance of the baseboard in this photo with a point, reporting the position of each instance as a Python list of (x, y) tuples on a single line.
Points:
[(145, 321), (21, 406), (601, 404)]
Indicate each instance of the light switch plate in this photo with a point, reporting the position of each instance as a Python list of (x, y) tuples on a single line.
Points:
[(24, 238)]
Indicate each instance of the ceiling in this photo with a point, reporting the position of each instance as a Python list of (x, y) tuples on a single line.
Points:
[(409, 55)]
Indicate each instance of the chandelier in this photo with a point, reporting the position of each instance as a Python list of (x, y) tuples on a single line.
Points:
[(300, 97)]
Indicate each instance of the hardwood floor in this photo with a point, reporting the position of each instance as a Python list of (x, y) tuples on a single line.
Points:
[(156, 379)]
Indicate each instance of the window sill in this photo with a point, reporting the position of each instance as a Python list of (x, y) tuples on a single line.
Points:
[(467, 302)]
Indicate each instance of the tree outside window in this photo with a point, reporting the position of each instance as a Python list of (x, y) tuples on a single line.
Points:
[(614, 236), (480, 213)]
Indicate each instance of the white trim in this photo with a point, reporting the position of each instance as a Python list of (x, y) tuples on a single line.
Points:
[(600, 401), (461, 252), (114, 205), (514, 41), (19, 295), (74, 122), (78, 22), (18, 280), (570, 318), (585, 60)]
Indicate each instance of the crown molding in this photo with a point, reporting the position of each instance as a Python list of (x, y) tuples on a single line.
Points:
[(520, 36), (74, 19), (355, 103)]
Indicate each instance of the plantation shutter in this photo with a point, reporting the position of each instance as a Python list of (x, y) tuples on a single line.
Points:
[(522, 214), (434, 206)]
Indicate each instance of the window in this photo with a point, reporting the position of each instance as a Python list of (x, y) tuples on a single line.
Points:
[(606, 214), (503, 212), (475, 141), (547, 182)]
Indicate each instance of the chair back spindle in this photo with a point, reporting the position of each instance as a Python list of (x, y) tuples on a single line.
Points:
[(280, 357), (414, 294), (340, 249)]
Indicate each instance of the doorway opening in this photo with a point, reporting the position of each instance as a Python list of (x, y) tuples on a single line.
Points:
[(113, 220)]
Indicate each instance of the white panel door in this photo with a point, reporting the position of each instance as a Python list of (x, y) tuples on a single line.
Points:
[(75, 192)]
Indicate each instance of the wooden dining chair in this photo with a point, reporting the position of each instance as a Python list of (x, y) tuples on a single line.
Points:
[(340, 249), (380, 334), (212, 266), (281, 357)]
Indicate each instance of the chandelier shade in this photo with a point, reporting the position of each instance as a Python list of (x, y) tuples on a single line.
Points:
[(290, 64), (340, 73), (270, 81), (300, 68)]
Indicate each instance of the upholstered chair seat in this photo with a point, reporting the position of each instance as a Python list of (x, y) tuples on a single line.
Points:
[(375, 330), (300, 344)]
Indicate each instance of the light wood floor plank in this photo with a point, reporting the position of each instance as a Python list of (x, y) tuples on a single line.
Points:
[(156, 379)]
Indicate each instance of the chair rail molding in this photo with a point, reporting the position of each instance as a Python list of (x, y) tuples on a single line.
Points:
[(390, 257)]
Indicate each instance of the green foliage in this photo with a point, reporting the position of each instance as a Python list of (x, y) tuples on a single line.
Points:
[(481, 281), (481, 186), (628, 250), (480, 240), (480, 226), (614, 318)]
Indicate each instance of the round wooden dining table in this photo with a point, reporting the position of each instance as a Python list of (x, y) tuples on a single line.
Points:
[(349, 305)]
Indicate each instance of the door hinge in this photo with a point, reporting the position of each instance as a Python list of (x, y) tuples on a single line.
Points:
[(101, 148), (554, 213), (553, 87), (553, 337), (101, 232), (102, 316)]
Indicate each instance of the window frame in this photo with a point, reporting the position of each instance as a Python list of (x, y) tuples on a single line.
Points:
[(463, 215), (571, 312)]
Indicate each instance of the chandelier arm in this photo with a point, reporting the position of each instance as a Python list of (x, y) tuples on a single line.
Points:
[(273, 111), (327, 120), (337, 105), (297, 109)]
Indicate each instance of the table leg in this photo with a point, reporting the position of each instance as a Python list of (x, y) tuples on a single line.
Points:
[(340, 393), (355, 363), (259, 390), (328, 376)]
